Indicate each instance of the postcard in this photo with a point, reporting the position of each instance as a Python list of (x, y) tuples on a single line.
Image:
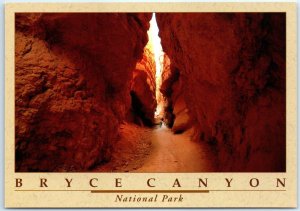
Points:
[(150, 105)]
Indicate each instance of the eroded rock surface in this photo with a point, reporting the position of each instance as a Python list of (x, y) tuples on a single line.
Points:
[(232, 70), (73, 82), (76, 75), (143, 90), (176, 113)]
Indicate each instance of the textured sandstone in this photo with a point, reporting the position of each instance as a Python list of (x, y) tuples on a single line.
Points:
[(143, 90), (73, 80), (79, 76), (177, 114), (232, 70)]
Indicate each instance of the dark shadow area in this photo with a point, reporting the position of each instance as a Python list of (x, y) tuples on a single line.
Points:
[(138, 111)]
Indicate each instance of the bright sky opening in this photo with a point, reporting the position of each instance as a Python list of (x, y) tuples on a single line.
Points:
[(156, 48)]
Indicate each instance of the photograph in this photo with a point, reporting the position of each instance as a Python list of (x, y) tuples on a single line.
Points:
[(150, 105), (150, 92)]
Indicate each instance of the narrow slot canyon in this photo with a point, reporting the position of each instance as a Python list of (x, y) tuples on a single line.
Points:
[(150, 92)]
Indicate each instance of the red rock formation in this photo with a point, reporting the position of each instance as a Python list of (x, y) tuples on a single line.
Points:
[(182, 119), (232, 70), (143, 90), (169, 76), (73, 78), (177, 114)]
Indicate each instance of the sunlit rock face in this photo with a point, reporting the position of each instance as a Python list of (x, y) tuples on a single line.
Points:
[(143, 90), (232, 70), (73, 82)]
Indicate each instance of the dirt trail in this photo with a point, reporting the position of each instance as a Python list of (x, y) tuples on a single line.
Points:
[(158, 150), (176, 153)]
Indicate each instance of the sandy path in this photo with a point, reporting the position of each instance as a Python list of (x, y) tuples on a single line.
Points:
[(176, 153), (157, 150)]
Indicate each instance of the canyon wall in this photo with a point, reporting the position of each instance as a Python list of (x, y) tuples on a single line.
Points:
[(230, 68), (176, 113), (73, 79), (143, 90)]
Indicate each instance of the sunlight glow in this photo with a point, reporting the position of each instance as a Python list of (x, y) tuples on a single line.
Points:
[(156, 48)]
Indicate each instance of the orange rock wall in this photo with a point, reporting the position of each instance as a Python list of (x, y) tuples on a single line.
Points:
[(143, 89), (232, 70), (73, 80)]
